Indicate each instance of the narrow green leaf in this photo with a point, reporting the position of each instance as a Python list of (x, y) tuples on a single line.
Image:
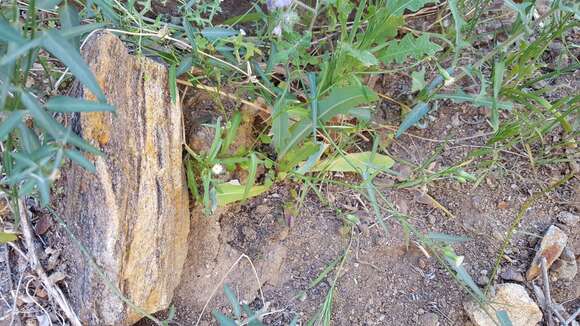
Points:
[(217, 33), (29, 140), (43, 119), (498, 73), (222, 319), (366, 58), (227, 193), (312, 159), (340, 101), (231, 132), (503, 317), (8, 33), (44, 190), (69, 18), (486, 101), (10, 123), (190, 32), (47, 4), (459, 23), (7, 237), (78, 158), (280, 121), (355, 162), (60, 48), (418, 112), (398, 7), (184, 66), (237, 309), (22, 49), (80, 30), (72, 104), (253, 168), (446, 238), (409, 46), (173, 84)]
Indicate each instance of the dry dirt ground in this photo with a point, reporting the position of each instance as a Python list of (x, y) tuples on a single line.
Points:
[(385, 280)]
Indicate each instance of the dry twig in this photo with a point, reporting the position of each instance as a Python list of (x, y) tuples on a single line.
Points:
[(52, 290)]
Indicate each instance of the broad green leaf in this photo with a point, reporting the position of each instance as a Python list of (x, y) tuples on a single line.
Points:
[(69, 18), (355, 162), (340, 101), (7, 237), (222, 319), (216, 33), (78, 158), (418, 112), (60, 48), (503, 317), (366, 58), (72, 104), (418, 78), (10, 123), (22, 49), (398, 7), (237, 309), (409, 46), (478, 100), (382, 27), (227, 193), (8, 33)]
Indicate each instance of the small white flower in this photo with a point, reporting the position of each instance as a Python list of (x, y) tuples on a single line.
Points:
[(459, 260), (242, 32), (217, 169), (277, 30)]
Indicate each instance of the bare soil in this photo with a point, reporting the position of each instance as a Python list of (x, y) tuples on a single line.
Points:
[(386, 278)]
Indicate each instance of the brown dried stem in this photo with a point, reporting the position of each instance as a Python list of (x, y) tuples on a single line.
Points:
[(53, 291)]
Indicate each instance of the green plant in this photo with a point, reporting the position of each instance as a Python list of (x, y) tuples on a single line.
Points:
[(34, 141)]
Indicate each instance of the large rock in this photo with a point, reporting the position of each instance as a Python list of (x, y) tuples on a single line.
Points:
[(512, 298), (132, 215)]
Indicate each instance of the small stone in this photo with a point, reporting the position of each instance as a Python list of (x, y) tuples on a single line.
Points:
[(551, 247), (510, 274), (429, 319), (482, 280), (565, 268), (503, 205), (568, 218), (513, 299)]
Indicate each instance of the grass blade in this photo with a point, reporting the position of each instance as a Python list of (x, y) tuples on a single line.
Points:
[(71, 104), (10, 123)]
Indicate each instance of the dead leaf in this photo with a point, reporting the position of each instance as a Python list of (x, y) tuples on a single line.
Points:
[(43, 224)]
